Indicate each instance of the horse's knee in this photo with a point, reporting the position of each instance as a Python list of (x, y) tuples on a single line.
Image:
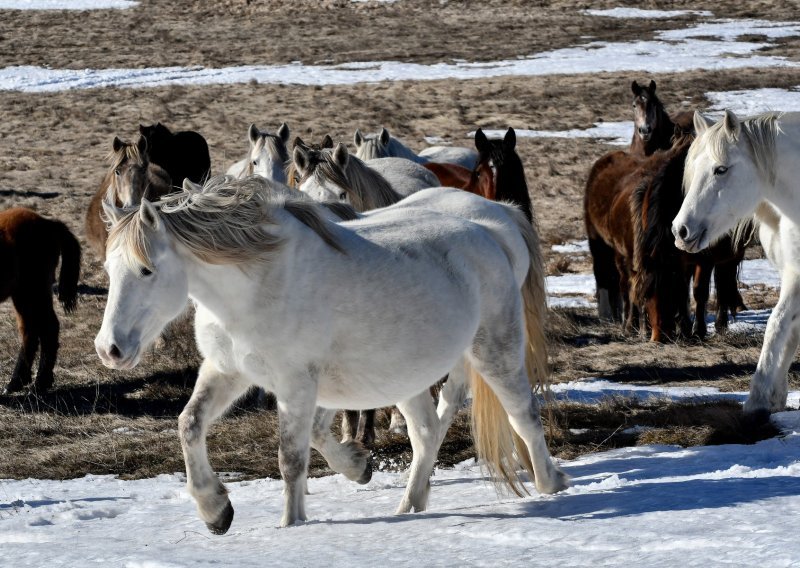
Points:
[(189, 428)]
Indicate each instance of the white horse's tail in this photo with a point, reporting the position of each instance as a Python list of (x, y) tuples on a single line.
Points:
[(499, 447)]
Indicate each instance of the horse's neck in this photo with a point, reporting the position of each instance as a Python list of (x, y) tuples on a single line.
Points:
[(785, 193), (372, 188), (511, 186), (399, 150), (662, 137)]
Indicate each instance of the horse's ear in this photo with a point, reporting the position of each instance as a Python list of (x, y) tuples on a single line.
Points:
[(636, 88), (385, 137), (358, 138), (118, 144), (143, 129), (190, 186), (481, 142), (327, 142), (652, 87), (253, 133), (300, 158), (732, 125), (283, 132), (701, 123), (148, 214), (341, 155), (298, 142), (141, 145), (510, 140)]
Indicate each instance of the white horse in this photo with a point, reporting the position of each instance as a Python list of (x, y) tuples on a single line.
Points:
[(266, 156), (442, 282), (335, 175), (383, 145), (737, 170)]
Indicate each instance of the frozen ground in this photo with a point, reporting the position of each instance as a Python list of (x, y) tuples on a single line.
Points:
[(708, 45), (639, 506), (65, 4)]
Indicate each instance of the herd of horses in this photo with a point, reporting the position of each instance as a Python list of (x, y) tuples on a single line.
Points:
[(384, 291)]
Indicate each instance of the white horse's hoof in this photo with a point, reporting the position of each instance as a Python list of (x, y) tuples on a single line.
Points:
[(558, 482), (223, 522)]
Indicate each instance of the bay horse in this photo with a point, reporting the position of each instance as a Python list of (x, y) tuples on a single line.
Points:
[(131, 176), (498, 174), (30, 247), (384, 145), (441, 283), (663, 271), (183, 154), (653, 128), (738, 171), (267, 155)]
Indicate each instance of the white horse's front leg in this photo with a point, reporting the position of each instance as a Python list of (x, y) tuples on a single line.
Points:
[(769, 387), (296, 411), (349, 457), (213, 394), (423, 431)]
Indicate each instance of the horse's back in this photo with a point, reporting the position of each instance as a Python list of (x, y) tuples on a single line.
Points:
[(450, 175), (34, 241), (466, 157), (405, 177)]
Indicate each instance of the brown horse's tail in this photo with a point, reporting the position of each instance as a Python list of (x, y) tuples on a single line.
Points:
[(70, 267), (503, 452)]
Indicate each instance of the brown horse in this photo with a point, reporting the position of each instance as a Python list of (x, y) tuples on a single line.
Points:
[(653, 128), (498, 174), (131, 176), (30, 247), (664, 272)]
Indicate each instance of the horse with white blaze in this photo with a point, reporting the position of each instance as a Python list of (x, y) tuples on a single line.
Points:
[(742, 169), (441, 282)]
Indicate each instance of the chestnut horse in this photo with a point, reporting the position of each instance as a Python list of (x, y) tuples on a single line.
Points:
[(131, 176), (30, 247), (498, 174), (629, 205), (664, 272), (653, 128)]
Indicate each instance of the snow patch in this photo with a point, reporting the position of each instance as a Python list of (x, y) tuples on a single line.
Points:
[(630, 13), (66, 4), (574, 247), (617, 133)]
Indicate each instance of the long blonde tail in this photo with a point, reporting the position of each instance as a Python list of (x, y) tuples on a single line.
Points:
[(502, 451)]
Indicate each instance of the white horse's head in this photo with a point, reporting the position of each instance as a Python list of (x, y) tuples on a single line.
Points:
[(148, 286), (322, 179), (371, 146), (267, 156), (721, 182)]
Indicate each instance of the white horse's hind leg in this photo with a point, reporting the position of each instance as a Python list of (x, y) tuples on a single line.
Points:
[(769, 388), (348, 458), (423, 431), (514, 392), (451, 399), (213, 394)]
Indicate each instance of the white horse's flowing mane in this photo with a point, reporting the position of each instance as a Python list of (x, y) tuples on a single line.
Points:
[(366, 188), (759, 132), (223, 223)]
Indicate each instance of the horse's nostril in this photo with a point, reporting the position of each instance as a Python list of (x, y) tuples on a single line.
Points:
[(114, 352), (683, 232)]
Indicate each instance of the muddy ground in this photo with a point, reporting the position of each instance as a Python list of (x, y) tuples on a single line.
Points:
[(52, 157)]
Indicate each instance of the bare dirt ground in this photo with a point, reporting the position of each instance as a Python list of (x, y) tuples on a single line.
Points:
[(52, 156)]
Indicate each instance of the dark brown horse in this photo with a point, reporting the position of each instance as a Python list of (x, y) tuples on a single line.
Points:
[(30, 247), (131, 176), (182, 154), (653, 128), (498, 174), (664, 272)]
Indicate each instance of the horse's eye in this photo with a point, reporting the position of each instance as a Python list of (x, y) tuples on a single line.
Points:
[(342, 196), (116, 172), (720, 170), (255, 162), (145, 272)]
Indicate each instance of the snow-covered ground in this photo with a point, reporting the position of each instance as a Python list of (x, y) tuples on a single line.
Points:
[(66, 4), (672, 51), (616, 133), (727, 505), (628, 13)]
